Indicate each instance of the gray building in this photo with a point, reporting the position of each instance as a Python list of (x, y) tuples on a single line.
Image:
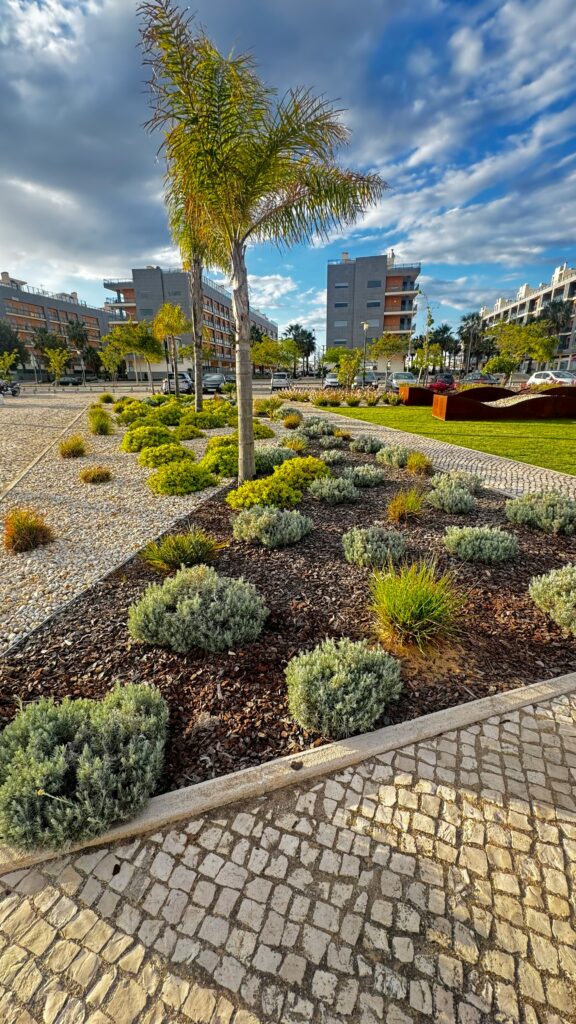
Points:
[(375, 290)]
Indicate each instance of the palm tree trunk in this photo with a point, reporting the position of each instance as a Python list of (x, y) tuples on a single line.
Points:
[(197, 307), (241, 309), (150, 375)]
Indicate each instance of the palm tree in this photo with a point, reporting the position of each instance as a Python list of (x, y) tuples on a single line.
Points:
[(304, 339), (471, 336), (243, 166), (558, 314), (442, 336)]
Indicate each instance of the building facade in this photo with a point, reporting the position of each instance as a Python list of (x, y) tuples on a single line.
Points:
[(530, 302), (372, 290), (27, 309), (141, 296)]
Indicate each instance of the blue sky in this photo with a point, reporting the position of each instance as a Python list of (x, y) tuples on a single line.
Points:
[(467, 108)]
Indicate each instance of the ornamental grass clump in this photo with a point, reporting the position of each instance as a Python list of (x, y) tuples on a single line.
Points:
[(413, 605), (25, 530), (353, 400), (334, 490), (272, 527), (70, 771), (198, 608), (181, 550), (145, 437), (296, 444), (550, 512), (555, 594), (450, 496), (373, 546), (333, 457), (405, 505), (393, 455), (367, 443), (184, 477), (271, 490), (481, 544), (100, 422), (292, 420), (95, 475), (341, 688), (72, 447), (418, 464), (300, 472), (365, 476), (162, 454), (106, 398)]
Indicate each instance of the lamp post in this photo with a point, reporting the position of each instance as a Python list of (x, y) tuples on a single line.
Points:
[(364, 327)]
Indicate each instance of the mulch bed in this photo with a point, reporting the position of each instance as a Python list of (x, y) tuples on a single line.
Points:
[(229, 711)]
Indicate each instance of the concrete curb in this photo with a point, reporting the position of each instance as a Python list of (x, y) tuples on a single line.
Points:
[(260, 780)]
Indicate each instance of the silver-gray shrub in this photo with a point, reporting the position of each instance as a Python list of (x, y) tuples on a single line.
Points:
[(549, 511), (331, 442), (555, 594), (332, 457), (272, 527), (334, 490), (373, 546), (365, 476), (267, 458), (481, 544), (393, 455), (198, 608), (367, 443), (316, 426), (450, 496), (341, 688), (469, 481)]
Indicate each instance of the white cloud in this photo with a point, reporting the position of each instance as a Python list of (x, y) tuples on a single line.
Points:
[(466, 44)]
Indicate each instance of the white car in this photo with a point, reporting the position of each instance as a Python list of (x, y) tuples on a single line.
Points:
[(559, 377), (398, 379), (331, 381), (280, 381)]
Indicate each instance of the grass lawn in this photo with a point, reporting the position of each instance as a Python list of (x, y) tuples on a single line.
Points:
[(551, 444)]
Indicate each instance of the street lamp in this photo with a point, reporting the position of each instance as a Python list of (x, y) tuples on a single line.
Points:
[(364, 325)]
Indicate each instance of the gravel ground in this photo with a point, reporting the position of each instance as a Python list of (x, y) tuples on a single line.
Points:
[(97, 526)]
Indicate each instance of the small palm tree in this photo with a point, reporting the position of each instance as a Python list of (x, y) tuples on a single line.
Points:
[(168, 323), (243, 166)]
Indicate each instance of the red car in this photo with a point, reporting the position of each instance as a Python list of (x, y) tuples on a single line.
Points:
[(442, 383)]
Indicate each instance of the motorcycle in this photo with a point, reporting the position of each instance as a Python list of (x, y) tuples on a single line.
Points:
[(9, 387)]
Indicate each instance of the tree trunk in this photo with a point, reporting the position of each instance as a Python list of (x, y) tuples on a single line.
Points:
[(197, 307), (175, 365), (241, 310), (150, 375)]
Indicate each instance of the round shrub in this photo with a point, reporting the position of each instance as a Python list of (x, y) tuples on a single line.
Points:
[(162, 454), (70, 771), (295, 444), (414, 605), (550, 512), (333, 457), (316, 426), (300, 472), (222, 460), (367, 443), (106, 398), (469, 481), (198, 608), (393, 455), (24, 530), (331, 442), (353, 400), (160, 399), (334, 490), (451, 497), (344, 434), (373, 546), (131, 411), (184, 477), (272, 490), (266, 459), (206, 420), (292, 420), (222, 441), (405, 505), (179, 550), (262, 432), (95, 475), (169, 415), (481, 544), (188, 432), (100, 422), (341, 688), (365, 476), (272, 527), (72, 447), (555, 594), (419, 465), (145, 437)]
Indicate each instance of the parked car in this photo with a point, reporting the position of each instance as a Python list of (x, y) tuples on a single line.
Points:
[(441, 383), (212, 382), (476, 377), (367, 379), (400, 378), (185, 383), (230, 378), (279, 381), (331, 381), (69, 381), (559, 377)]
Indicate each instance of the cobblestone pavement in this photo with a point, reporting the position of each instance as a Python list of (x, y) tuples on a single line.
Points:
[(502, 474), (435, 883)]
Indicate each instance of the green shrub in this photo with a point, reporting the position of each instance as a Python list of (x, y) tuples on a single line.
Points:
[(333, 457), (24, 530), (480, 544), (550, 512), (70, 771), (121, 403), (155, 400), (393, 455), (405, 505), (555, 594), (222, 460), (292, 420), (131, 411), (95, 475), (145, 437), (180, 550), (295, 444), (267, 459), (106, 398), (260, 406), (373, 546), (100, 422), (262, 432), (469, 481), (325, 401), (72, 447), (207, 419), (341, 688), (365, 476), (371, 398), (188, 432), (353, 400), (316, 426), (184, 477), (272, 490), (331, 442), (344, 434), (414, 605), (419, 465), (367, 443), (334, 490), (450, 496), (222, 441), (272, 527), (198, 608), (392, 399), (169, 415), (300, 472), (162, 454)]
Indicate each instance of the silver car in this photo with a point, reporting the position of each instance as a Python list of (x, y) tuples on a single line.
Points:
[(331, 381)]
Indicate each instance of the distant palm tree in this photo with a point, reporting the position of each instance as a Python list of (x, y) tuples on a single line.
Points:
[(243, 166), (474, 342), (304, 339), (442, 335), (558, 313)]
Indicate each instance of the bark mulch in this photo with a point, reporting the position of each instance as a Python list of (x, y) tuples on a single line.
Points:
[(229, 711)]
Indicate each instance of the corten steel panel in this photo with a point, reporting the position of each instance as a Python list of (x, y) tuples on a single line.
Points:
[(486, 393), (411, 395), (456, 407)]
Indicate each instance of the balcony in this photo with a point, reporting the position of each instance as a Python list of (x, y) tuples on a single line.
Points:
[(119, 286), (413, 289)]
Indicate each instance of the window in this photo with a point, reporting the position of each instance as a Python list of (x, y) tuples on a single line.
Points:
[(340, 284), (374, 284), (340, 305), (373, 323), (174, 293), (340, 323), (373, 305), (339, 341)]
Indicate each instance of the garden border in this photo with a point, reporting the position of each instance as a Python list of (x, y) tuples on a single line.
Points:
[(259, 780)]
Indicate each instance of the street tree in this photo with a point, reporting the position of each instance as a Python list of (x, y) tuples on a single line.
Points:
[(348, 366), (168, 324), (10, 342), (57, 359), (7, 361)]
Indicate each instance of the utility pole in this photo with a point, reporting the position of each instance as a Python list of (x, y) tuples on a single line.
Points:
[(364, 327)]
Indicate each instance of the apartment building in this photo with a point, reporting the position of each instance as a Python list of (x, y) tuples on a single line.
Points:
[(26, 309), (530, 302), (141, 296), (372, 290)]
